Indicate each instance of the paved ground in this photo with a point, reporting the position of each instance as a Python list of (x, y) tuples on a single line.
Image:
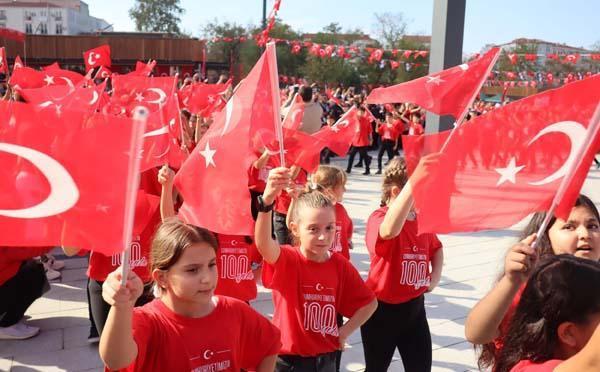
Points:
[(472, 262)]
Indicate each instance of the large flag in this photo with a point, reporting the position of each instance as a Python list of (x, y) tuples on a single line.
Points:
[(99, 56), (58, 97), (200, 98), (66, 178), (54, 75), (214, 179), (447, 92), (499, 167), (26, 77), (339, 136)]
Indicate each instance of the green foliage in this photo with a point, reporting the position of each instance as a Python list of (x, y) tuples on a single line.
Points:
[(157, 16)]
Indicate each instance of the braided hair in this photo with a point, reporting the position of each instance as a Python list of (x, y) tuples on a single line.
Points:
[(395, 174)]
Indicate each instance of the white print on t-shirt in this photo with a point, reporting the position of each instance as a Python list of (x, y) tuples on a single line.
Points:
[(136, 259), (415, 270), (215, 366), (235, 267), (320, 318), (337, 242)]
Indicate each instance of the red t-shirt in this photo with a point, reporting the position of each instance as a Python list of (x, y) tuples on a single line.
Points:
[(147, 220), (415, 129), (257, 178), (11, 259), (308, 295), (233, 336), (388, 131), (363, 132), (236, 260), (399, 268), (343, 232), (284, 200), (529, 366), (149, 182)]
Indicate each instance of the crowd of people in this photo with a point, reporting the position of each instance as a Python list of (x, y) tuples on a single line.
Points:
[(186, 304)]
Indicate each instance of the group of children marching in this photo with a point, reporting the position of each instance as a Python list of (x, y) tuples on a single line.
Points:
[(185, 305)]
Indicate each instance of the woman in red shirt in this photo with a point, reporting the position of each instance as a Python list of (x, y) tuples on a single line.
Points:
[(389, 136), (361, 142), (400, 274), (556, 326)]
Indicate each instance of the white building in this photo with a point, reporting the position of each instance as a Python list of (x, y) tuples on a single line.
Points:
[(53, 17), (541, 48)]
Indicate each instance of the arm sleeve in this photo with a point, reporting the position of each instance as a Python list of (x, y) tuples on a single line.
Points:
[(355, 293), (275, 275), (434, 245), (260, 338)]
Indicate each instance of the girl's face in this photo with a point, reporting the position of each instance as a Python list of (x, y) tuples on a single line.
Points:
[(579, 235), (315, 229), (193, 278)]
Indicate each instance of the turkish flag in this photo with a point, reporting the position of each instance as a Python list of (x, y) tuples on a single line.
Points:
[(339, 136), (58, 97), (97, 57), (18, 63), (142, 69), (293, 119), (57, 76), (26, 77), (499, 167), (448, 92), (67, 178), (3, 61), (202, 96), (214, 179), (144, 97), (177, 152)]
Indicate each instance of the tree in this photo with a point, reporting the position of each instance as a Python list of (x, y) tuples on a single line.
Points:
[(390, 28), (333, 28), (157, 15)]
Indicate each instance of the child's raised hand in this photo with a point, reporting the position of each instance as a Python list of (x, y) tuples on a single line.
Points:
[(117, 295), (519, 260), (278, 180), (166, 175)]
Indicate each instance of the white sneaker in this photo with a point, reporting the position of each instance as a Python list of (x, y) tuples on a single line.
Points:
[(19, 331), (51, 274)]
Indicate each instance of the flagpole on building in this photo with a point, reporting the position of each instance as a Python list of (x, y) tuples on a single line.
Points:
[(462, 116), (593, 130), (133, 181)]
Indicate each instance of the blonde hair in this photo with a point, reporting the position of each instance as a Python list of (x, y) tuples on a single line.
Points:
[(311, 198), (170, 240), (329, 177), (395, 174)]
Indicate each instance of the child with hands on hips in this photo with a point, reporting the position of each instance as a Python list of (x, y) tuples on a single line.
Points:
[(579, 235), (310, 284), (187, 328)]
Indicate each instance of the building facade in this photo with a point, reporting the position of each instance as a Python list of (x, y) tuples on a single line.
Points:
[(53, 17)]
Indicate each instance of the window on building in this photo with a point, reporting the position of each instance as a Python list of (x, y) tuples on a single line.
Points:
[(2, 25), (59, 29), (28, 28), (43, 28), (3, 14)]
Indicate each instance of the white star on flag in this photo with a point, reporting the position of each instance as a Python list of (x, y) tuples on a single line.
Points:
[(208, 155), (464, 67), (434, 79), (509, 173), (49, 80), (211, 99), (139, 97)]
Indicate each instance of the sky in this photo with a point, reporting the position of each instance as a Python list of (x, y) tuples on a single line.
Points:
[(573, 22)]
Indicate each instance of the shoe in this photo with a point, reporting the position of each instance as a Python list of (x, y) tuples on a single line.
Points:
[(93, 340), (378, 172), (348, 171), (19, 331), (51, 274), (358, 165), (366, 173)]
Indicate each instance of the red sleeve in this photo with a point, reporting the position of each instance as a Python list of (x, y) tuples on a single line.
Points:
[(355, 293), (380, 129), (274, 276), (529, 366), (143, 335), (434, 245), (375, 244), (260, 338)]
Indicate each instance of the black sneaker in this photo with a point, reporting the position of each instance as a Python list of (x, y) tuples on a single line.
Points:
[(378, 172), (358, 165), (348, 171), (366, 173)]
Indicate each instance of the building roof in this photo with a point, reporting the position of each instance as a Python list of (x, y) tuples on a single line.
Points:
[(27, 4), (339, 36), (421, 39), (524, 40)]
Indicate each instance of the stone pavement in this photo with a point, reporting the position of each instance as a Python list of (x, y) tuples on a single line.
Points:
[(472, 262)]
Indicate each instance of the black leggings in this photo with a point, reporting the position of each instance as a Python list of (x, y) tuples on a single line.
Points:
[(295, 363), (19, 292), (387, 146), (403, 326), (99, 308), (362, 150), (280, 230)]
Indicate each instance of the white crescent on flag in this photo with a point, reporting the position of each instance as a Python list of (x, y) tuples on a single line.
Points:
[(64, 193)]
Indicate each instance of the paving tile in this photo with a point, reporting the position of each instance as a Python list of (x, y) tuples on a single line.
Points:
[(45, 341), (79, 359)]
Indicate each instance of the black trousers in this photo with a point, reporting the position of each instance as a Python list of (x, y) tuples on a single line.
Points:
[(362, 150), (99, 308), (295, 363), (282, 234), (388, 147), (398, 326), (19, 292)]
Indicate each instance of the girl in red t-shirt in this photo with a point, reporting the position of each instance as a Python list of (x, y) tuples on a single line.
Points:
[(399, 275), (237, 257), (187, 328), (389, 137), (332, 181), (362, 141), (310, 284), (556, 326), (579, 235)]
